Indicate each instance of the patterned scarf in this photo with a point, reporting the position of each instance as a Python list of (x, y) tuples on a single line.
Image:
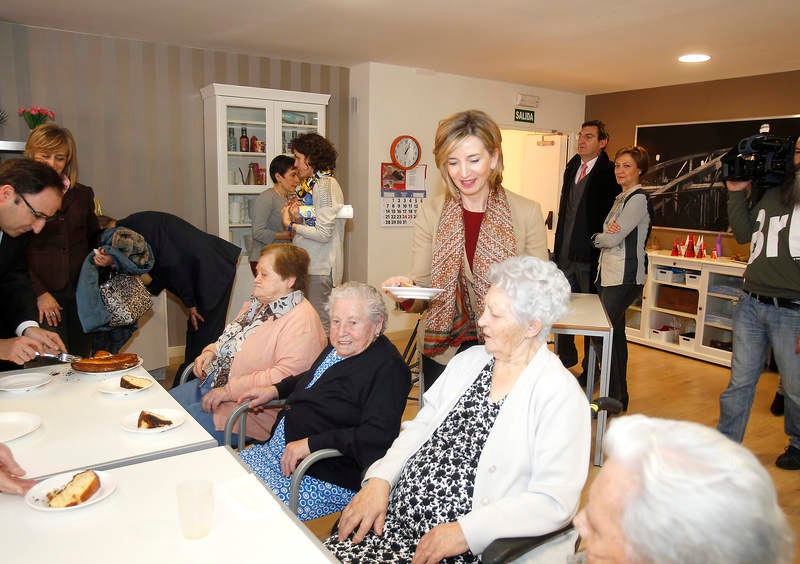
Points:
[(237, 331), (304, 193), (450, 320)]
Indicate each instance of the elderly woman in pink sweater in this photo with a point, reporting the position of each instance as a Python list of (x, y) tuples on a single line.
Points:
[(276, 334)]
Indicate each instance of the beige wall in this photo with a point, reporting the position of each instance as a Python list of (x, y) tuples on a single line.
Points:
[(135, 110), (736, 98)]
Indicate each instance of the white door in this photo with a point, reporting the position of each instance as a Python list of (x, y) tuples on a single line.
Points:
[(533, 167)]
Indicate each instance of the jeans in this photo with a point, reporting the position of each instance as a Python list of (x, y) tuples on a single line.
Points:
[(615, 300), (190, 396), (756, 326)]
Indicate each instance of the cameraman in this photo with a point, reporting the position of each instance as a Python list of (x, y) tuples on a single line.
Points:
[(768, 313)]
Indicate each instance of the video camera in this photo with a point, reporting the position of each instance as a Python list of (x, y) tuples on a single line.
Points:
[(763, 159)]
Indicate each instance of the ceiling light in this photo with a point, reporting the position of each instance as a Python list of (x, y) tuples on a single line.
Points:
[(694, 58)]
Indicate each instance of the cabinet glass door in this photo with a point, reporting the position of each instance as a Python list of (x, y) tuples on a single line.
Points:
[(247, 130), (297, 119)]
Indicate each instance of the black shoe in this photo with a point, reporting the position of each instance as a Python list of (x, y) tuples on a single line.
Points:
[(777, 404), (789, 460)]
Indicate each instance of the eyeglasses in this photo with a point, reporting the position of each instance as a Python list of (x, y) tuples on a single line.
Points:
[(38, 214)]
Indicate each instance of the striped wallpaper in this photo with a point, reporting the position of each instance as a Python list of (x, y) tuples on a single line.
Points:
[(135, 110)]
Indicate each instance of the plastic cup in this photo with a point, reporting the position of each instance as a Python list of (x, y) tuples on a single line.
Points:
[(195, 507)]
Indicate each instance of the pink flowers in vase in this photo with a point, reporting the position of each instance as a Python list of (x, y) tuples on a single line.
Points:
[(35, 115)]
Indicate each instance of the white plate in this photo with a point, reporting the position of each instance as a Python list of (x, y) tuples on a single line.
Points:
[(130, 421), (113, 372), (16, 424), (111, 386), (413, 292), (24, 382), (37, 495)]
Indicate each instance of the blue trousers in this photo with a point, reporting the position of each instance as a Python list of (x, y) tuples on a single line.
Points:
[(756, 327), (190, 396)]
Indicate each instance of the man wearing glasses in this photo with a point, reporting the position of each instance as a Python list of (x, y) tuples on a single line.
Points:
[(30, 196), (587, 195)]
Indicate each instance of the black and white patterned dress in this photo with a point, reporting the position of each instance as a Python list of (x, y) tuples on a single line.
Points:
[(436, 484)]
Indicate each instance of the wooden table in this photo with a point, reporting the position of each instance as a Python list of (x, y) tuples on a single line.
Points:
[(139, 523), (81, 427), (587, 317)]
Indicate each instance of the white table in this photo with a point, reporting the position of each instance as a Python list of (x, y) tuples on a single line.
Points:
[(81, 427), (587, 317), (139, 521)]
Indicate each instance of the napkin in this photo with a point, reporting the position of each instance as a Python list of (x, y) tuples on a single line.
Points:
[(247, 494)]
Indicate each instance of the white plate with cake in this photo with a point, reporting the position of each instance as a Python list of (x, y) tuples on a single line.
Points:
[(126, 384), (72, 490), (24, 382), (152, 420), (16, 424), (413, 292)]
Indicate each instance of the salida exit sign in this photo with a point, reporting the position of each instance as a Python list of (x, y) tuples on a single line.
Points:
[(523, 115)]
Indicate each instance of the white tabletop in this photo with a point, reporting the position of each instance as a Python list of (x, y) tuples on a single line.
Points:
[(139, 521), (585, 312), (81, 427)]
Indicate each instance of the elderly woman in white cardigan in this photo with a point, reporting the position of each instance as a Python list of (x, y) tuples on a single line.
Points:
[(500, 448)]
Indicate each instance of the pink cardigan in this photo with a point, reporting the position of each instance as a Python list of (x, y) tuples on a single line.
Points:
[(279, 348)]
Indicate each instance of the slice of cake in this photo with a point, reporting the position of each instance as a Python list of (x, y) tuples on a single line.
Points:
[(81, 487), (149, 420), (133, 383)]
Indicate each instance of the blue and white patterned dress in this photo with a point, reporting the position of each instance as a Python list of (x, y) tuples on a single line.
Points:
[(436, 484), (317, 497)]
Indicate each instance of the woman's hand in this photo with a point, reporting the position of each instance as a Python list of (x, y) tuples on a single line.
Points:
[(395, 281), (367, 510), (445, 539), (259, 395), (102, 259), (201, 362), (613, 227), (212, 399), (294, 452), (49, 309), (10, 472)]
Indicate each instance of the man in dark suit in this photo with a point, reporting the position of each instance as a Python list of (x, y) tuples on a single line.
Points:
[(587, 195), (30, 195), (195, 266)]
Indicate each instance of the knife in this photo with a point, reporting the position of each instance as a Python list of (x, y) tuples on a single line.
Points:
[(61, 357)]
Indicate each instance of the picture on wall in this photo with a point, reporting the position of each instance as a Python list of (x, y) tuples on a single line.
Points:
[(684, 175)]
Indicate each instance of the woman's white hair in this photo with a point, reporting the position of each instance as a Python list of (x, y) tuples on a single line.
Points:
[(537, 289), (376, 308), (696, 496)]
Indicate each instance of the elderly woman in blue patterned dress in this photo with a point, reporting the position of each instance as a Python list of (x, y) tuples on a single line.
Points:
[(500, 449), (351, 399)]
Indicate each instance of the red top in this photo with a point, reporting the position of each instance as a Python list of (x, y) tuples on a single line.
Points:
[(472, 227)]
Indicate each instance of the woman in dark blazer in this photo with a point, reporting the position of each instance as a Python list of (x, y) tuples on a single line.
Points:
[(352, 399), (55, 255)]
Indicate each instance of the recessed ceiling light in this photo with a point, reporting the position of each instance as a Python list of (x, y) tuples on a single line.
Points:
[(694, 58)]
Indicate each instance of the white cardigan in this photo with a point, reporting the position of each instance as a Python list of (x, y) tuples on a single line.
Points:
[(535, 460)]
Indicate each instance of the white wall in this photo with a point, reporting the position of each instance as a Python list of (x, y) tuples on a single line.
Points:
[(394, 100)]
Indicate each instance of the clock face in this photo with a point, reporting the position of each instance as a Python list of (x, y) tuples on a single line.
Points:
[(405, 152)]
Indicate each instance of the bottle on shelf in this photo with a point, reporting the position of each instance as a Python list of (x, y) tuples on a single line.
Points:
[(253, 143), (244, 142), (231, 140)]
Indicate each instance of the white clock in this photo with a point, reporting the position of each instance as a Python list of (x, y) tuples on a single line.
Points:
[(405, 152)]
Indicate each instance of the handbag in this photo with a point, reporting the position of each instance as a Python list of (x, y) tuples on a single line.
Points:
[(126, 299)]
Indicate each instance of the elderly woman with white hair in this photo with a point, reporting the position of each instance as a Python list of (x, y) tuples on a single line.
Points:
[(351, 399), (676, 492), (500, 448)]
